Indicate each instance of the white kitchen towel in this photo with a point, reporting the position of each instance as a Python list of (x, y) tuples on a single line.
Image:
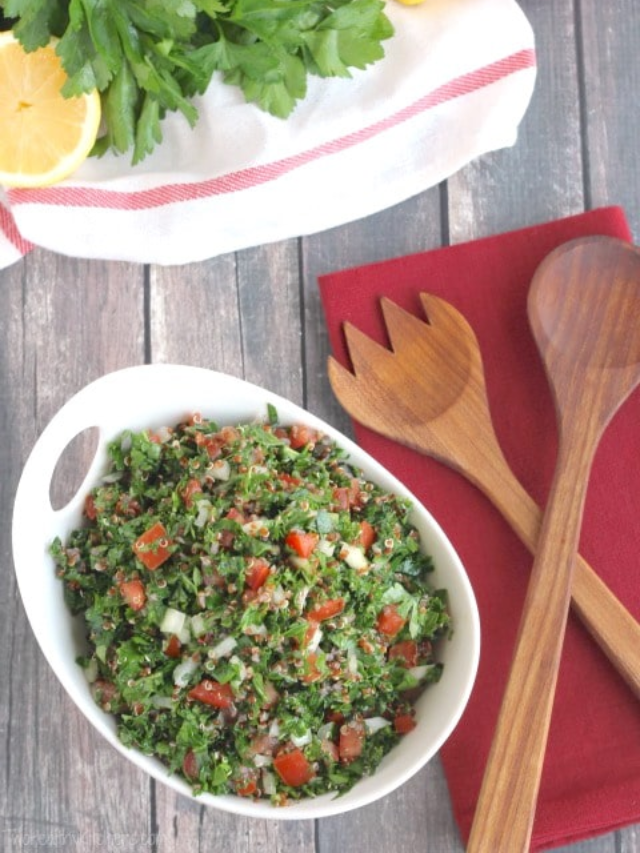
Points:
[(455, 83)]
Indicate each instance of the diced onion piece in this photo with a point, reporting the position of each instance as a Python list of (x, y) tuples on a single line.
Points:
[(256, 630), (204, 509), (326, 547), (352, 662), (162, 701), (184, 635), (255, 526), (419, 672), (242, 669), (274, 729), (183, 672), (262, 760), (374, 724), (314, 642), (325, 732), (172, 621), (353, 556), (223, 648), (198, 626), (164, 433), (268, 783), (299, 562), (91, 670), (221, 470), (278, 596), (301, 740), (301, 598)]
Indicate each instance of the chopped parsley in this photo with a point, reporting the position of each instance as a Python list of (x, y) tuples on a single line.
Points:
[(259, 616)]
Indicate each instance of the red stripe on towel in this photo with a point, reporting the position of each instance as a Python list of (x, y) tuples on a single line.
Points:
[(9, 228), (254, 176)]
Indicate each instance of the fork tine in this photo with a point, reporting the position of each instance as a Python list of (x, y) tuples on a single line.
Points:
[(350, 392), (402, 326), (343, 382), (363, 351), (440, 313)]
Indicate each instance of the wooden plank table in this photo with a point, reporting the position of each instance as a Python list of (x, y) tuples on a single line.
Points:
[(257, 314)]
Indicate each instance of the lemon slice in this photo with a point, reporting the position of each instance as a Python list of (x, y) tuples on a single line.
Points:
[(44, 137)]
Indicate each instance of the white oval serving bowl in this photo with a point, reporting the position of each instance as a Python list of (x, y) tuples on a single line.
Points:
[(152, 396)]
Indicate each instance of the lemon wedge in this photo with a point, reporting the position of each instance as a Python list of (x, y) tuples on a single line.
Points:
[(44, 137)]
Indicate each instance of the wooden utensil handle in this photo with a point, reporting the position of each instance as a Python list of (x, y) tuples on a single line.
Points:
[(506, 806), (610, 624)]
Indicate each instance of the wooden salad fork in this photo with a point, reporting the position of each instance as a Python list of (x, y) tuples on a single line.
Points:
[(429, 393)]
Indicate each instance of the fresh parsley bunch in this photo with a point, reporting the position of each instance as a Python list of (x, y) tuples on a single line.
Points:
[(147, 57)]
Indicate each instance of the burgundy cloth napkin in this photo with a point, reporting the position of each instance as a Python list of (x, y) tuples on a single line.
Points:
[(591, 775)]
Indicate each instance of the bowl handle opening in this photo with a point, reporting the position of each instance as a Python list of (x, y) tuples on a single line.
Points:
[(71, 471)]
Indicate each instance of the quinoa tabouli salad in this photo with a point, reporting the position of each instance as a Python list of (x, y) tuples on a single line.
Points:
[(259, 616)]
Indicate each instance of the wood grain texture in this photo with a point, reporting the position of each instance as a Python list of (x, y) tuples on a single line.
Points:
[(257, 314), (582, 306), (428, 392), (610, 85), (56, 768), (541, 176)]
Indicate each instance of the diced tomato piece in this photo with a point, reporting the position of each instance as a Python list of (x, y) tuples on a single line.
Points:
[(326, 610), (302, 543), (330, 749), (193, 487), (271, 695), (293, 768), (311, 671), (390, 622), (301, 435), (348, 496), (367, 535), (212, 693), (351, 740), (289, 480), (257, 573), (227, 538), (406, 651), (235, 515), (246, 787), (172, 649), (341, 497), (404, 723), (334, 717), (104, 692), (90, 508), (228, 434), (212, 444), (128, 506), (354, 493), (262, 744), (133, 594), (309, 634), (190, 765), (153, 547)]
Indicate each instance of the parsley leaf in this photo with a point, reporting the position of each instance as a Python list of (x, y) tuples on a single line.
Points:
[(150, 57)]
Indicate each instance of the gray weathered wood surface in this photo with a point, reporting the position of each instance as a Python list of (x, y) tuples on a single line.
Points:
[(257, 314)]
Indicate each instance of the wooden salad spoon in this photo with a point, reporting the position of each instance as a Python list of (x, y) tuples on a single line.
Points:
[(584, 311), (430, 394)]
